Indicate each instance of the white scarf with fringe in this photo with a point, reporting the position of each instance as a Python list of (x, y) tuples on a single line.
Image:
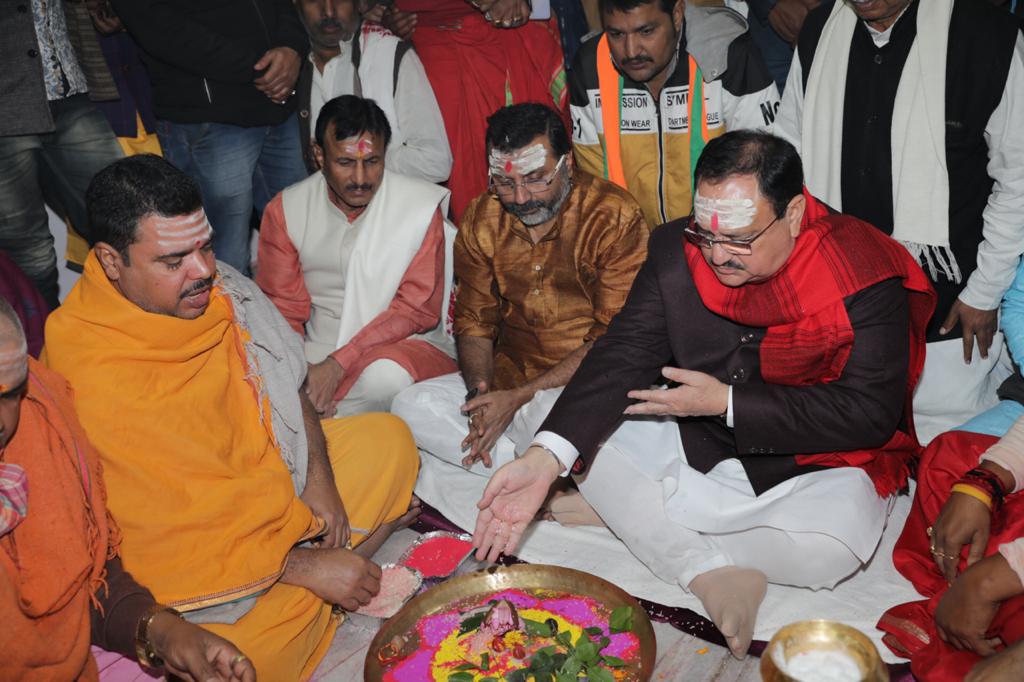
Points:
[(920, 180)]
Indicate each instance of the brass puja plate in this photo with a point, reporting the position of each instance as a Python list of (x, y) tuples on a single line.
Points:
[(822, 635), (480, 584)]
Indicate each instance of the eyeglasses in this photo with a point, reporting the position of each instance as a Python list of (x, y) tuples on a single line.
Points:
[(505, 187), (737, 247)]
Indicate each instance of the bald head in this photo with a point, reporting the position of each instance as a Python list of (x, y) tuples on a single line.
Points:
[(13, 349)]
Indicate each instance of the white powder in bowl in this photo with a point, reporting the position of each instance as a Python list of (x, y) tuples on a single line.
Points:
[(819, 666)]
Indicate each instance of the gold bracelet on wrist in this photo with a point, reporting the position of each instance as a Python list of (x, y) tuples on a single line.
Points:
[(143, 647)]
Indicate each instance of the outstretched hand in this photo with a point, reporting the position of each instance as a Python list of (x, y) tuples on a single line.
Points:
[(511, 501)]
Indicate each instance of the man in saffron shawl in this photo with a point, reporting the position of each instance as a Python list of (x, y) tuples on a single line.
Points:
[(797, 337), (190, 384), (61, 580)]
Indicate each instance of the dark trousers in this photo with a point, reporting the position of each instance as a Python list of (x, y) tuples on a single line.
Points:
[(50, 168)]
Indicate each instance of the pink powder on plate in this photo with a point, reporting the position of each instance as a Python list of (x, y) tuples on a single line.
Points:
[(397, 584), (438, 556)]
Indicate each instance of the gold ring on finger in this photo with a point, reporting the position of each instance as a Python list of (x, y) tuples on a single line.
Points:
[(240, 658), (928, 531)]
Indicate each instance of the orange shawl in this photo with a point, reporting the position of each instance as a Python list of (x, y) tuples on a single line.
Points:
[(52, 564), (206, 505)]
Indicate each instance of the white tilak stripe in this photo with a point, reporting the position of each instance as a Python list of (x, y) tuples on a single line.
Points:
[(732, 213), (524, 161)]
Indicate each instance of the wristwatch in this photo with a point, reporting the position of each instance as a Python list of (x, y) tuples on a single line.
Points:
[(143, 647)]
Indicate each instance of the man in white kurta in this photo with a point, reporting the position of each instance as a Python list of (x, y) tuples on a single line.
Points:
[(907, 115), (351, 57), (358, 260)]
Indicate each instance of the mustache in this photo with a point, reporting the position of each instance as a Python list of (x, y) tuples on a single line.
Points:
[(353, 187), (637, 61), (198, 287), (525, 208), (329, 24), (731, 263)]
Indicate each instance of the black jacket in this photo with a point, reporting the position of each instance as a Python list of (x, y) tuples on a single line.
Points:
[(200, 55), (664, 322)]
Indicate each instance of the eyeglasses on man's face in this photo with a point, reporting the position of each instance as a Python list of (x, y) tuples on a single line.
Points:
[(700, 237), (506, 187)]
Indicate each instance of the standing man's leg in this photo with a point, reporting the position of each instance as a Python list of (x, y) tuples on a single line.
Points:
[(62, 163), (24, 234), (280, 163), (222, 159)]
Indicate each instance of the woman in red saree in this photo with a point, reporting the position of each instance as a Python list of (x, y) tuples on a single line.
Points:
[(963, 549)]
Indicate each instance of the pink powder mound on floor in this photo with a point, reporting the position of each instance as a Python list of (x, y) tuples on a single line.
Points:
[(439, 556), (397, 585)]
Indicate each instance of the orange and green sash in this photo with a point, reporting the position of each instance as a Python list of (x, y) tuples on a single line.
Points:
[(609, 83)]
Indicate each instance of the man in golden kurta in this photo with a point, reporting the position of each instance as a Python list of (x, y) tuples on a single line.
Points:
[(190, 385), (543, 260)]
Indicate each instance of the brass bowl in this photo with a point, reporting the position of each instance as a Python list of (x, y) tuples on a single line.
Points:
[(499, 578), (822, 635)]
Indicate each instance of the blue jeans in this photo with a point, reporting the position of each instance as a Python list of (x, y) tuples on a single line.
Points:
[(238, 169), (55, 168)]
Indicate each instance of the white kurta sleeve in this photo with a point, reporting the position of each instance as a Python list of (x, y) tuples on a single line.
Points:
[(789, 118), (1003, 229), (424, 153)]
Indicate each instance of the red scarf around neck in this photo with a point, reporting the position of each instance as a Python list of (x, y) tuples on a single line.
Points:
[(809, 337)]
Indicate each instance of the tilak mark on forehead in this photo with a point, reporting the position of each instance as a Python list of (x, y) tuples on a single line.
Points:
[(13, 366), (179, 233), (361, 149), (723, 214), (524, 161)]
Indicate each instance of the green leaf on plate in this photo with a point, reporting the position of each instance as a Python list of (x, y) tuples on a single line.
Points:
[(613, 661), (621, 619), (471, 623), (535, 628)]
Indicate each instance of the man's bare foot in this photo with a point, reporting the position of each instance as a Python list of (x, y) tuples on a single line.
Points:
[(376, 539), (569, 508), (732, 596)]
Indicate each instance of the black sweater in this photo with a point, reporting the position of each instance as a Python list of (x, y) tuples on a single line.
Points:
[(200, 56)]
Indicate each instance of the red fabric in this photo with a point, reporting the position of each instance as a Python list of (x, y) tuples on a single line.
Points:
[(28, 303), (809, 336), (910, 627), (469, 63)]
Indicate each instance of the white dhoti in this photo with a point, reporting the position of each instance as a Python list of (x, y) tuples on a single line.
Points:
[(951, 392), (813, 530), (431, 409)]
